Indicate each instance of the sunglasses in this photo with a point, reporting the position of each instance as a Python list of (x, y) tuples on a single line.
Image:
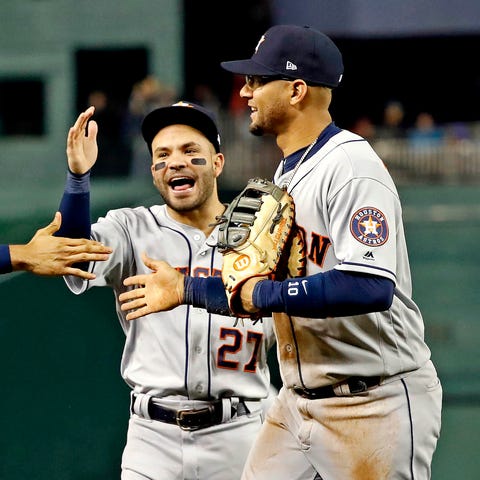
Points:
[(256, 81)]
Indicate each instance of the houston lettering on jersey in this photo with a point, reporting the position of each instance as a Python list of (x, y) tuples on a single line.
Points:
[(200, 272)]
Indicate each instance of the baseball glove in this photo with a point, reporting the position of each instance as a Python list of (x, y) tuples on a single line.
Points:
[(258, 237)]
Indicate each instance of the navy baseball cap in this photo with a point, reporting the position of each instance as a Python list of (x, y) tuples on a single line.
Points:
[(293, 51), (183, 113)]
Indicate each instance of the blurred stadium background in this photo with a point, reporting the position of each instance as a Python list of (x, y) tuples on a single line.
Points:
[(64, 407)]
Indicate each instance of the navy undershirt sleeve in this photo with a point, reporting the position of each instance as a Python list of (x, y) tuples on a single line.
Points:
[(331, 294), (75, 207), (208, 293), (5, 260)]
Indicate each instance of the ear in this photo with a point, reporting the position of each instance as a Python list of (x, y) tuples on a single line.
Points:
[(299, 90), (218, 163)]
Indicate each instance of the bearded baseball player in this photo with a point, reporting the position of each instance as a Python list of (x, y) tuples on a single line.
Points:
[(360, 398), (199, 380)]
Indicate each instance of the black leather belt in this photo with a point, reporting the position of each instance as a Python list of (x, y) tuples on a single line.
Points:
[(190, 419), (355, 384)]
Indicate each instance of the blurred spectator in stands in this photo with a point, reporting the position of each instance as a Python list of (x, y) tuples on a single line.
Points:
[(425, 133), (392, 126), (364, 127), (205, 96), (113, 149), (457, 132), (146, 95)]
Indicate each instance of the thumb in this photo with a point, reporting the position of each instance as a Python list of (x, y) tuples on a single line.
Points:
[(54, 225), (150, 262), (92, 129)]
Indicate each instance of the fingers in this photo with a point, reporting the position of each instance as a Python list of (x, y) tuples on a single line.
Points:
[(88, 257), (82, 119), (131, 295), (76, 272), (133, 304), (137, 313), (135, 280), (82, 245), (92, 129)]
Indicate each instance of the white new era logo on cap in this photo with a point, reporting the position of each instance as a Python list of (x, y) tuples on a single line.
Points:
[(290, 66)]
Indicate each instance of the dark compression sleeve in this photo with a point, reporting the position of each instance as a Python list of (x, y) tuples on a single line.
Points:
[(5, 261), (75, 207), (208, 293), (331, 294)]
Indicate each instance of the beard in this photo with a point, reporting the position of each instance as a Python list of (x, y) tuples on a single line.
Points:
[(191, 202), (256, 130)]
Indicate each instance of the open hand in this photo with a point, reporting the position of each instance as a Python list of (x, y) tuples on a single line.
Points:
[(156, 292), (48, 255), (82, 148)]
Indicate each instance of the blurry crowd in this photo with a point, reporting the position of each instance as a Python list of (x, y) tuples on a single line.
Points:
[(122, 149), (422, 132), (123, 152)]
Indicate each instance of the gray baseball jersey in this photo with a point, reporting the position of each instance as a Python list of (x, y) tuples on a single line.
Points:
[(185, 352), (349, 209)]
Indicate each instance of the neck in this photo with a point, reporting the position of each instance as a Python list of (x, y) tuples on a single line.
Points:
[(302, 133), (202, 218)]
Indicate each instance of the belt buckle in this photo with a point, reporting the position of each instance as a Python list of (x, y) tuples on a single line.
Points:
[(357, 386), (302, 392), (182, 418)]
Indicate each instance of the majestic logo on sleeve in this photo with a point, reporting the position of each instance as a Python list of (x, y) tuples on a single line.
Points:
[(369, 226)]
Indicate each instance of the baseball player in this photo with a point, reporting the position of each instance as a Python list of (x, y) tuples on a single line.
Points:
[(198, 380), (48, 255), (360, 398)]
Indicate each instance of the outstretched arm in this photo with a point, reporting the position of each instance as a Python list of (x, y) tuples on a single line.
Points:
[(333, 293), (166, 288), (48, 255)]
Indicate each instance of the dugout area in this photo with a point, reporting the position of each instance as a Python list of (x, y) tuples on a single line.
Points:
[(65, 407)]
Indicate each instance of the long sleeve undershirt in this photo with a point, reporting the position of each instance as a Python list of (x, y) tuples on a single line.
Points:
[(75, 207), (5, 260), (331, 294)]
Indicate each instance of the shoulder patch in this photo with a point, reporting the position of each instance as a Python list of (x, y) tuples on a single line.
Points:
[(369, 226)]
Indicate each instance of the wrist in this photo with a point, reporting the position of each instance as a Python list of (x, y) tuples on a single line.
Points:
[(247, 294), (5, 259), (77, 182), (267, 295), (208, 293)]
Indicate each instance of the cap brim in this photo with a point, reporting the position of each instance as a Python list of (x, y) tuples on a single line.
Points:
[(247, 67), (172, 115)]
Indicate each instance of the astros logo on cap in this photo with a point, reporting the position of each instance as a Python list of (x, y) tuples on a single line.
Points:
[(262, 39), (369, 226)]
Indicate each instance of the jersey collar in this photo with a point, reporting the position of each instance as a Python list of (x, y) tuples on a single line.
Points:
[(327, 133)]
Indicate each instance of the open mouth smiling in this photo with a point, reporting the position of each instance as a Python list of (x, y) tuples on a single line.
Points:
[(180, 184)]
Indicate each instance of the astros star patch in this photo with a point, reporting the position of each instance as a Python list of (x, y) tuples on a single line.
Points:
[(369, 226)]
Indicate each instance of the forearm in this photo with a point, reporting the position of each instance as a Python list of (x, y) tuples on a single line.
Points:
[(330, 294), (75, 207), (208, 293)]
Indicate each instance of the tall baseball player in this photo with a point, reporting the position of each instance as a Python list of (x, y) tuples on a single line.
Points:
[(198, 380), (360, 398)]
